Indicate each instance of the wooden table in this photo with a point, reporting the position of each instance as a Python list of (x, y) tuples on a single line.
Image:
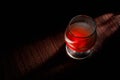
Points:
[(46, 57)]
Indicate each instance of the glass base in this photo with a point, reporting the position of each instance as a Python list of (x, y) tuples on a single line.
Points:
[(78, 55)]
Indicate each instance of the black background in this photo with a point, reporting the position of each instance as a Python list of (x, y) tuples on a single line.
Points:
[(27, 22), (24, 22)]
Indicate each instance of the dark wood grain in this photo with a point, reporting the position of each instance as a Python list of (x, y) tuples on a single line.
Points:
[(48, 56)]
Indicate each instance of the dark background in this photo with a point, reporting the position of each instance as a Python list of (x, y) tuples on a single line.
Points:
[(28, 22), (25, 22)]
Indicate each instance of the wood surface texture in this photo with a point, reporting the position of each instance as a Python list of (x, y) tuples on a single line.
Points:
[(48, 55)]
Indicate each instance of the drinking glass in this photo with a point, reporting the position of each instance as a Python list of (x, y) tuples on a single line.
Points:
[(80, 37)]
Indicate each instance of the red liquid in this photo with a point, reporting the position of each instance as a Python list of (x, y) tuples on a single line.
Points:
[(79, 37)]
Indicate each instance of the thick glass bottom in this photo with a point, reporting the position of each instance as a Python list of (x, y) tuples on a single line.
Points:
[(78, 55)]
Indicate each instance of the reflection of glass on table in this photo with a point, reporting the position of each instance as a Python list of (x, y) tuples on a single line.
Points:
[(80, 36)]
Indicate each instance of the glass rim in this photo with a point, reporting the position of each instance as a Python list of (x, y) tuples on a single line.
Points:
[(94, 31)]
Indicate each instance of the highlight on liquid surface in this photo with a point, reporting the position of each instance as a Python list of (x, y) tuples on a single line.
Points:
[(79, 37), (81, 29)]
